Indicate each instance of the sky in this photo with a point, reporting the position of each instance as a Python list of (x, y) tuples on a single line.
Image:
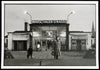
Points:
[(80, 21)]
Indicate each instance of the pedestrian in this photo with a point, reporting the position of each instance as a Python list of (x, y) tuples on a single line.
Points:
[(38, 46), (55, 50), (59, 46), (29, 52)]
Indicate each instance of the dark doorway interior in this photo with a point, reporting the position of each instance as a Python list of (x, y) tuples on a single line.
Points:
[(20, 45), (79, 45)]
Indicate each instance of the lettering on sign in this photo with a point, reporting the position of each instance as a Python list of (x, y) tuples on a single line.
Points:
[(49, 21)]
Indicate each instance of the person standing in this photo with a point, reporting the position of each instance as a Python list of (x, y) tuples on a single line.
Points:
[(38, 46), (55, 50), (59, 46), (29, 52)]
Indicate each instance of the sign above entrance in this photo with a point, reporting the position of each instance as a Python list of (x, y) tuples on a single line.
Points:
[(49, 34), (49, 21)]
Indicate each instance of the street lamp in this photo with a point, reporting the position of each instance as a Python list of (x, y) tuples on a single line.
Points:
[(72, 12), (26, 12), (67, 31)]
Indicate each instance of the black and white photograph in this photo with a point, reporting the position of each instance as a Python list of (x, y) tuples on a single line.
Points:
[(49, 34)]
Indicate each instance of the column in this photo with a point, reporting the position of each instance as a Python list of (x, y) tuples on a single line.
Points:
[(30, 36), (67, 37), (10, 35)]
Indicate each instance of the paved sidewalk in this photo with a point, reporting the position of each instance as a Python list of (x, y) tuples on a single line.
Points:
[(44, 58)]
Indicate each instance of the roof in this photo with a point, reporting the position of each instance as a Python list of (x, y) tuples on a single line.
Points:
[(78, 32), (49, 23), (21, 31), (69, 32)]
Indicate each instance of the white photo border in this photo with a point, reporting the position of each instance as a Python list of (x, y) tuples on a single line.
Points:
[(49, 67)]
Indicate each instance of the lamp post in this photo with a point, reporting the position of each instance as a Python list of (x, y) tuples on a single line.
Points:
[(72, 12), (67, 31)]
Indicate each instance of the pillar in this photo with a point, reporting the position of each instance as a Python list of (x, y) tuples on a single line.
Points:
[(30, 36), (10, 41), (26, 26), (67, 37)]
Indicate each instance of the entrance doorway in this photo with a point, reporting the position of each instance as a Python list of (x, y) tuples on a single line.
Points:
[(79, 45), (20, 45), (46, 31)]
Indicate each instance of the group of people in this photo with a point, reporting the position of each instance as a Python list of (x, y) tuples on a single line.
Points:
[(56, 45)]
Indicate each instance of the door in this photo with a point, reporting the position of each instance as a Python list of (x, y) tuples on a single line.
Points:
[(79, 45), (20, 45)]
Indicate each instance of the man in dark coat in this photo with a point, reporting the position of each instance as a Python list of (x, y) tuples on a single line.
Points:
[(29, 52), (55, 50)]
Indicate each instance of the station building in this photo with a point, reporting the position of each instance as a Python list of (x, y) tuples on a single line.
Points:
[(43, 32)]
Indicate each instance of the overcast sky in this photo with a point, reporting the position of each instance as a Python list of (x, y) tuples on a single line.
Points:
[(80, 21)]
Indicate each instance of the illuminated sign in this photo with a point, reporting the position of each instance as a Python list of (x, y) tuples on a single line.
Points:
[(63, 34), (48, 33), (49, 21), (36, 34)]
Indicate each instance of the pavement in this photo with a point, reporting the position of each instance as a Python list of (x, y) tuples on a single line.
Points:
[(44, 58)]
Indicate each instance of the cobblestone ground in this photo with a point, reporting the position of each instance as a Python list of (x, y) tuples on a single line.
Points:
[(44, 58)]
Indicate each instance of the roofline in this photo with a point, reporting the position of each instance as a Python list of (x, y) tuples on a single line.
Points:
[(79, 32)]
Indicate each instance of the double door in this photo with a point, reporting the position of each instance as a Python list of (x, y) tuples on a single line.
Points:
[(78, 44)]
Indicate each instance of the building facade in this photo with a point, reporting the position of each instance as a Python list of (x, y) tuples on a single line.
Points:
[(79, 40), (18, 40), (43, 32)]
